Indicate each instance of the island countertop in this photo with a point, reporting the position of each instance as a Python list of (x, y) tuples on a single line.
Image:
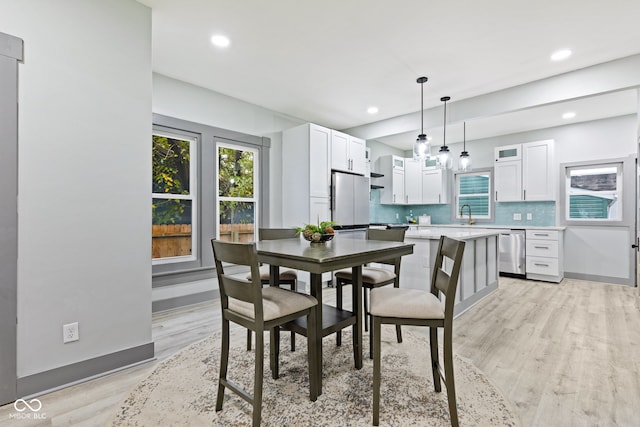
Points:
[(434, 233)]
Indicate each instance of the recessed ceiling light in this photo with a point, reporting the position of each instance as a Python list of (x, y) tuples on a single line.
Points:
[(559, 55), (569, 115), (220, 40), (372, 110)]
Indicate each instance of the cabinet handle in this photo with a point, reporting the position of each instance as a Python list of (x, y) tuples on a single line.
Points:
[(541, 247), (539, 264), (524, 197), (496, 194), (541, 234), (439, 201), (394, 198)]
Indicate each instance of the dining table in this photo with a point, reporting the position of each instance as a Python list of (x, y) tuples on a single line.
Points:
[(317, 258)]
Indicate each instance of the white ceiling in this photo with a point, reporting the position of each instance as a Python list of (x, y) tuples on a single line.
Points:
[(327, 61)]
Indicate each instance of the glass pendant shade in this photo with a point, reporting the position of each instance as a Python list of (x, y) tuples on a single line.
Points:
[(444, 157), (421, 148), (464, 163)]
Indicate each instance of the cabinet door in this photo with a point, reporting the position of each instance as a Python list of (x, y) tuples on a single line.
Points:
[(398, 186), (413, 181), (357, 155), (432, 186), (319, 168), (508, 181), (319, 209), (340, 151), (538, 172)]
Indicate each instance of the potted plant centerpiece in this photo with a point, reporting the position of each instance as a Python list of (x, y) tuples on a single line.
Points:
[(323, 232)]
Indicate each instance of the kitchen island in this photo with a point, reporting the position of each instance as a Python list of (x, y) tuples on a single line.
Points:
[(479, 270)]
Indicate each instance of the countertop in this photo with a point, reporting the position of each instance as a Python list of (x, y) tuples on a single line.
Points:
[(434, 232), (485, 226)]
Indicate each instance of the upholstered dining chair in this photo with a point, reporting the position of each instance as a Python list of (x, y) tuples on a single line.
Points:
[(246, 303), (400, 306), (286, 276), (372, 277)]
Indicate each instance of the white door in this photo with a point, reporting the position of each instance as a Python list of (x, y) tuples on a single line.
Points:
[(413, 181), (538, 173), (398, 187), (319, 166), (432, 186), (357, 155), (508, 181), (340, 151)]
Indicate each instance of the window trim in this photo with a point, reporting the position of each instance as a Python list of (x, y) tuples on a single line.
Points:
[(256, 190), (455, 210), (627, 185), (192, 196)]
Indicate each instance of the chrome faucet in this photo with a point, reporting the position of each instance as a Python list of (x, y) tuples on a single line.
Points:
[(471, 221)]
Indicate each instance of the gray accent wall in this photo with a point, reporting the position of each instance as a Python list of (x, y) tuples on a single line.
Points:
[(84, 163), (10, 53)]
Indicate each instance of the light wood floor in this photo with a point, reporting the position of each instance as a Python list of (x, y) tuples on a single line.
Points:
[(566, 354)]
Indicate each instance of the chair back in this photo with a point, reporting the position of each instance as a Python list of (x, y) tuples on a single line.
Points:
[(388, 235), (444, 282), (277, 233), (241, 254)]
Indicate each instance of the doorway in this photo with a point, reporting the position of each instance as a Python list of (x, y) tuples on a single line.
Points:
[(10, 54)]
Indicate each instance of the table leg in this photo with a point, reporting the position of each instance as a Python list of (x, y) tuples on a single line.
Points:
[(316, 291), (356, 274)]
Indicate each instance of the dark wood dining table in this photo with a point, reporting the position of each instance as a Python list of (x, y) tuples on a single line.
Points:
[(341, 252)]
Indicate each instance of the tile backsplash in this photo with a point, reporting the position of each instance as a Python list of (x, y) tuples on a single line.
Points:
[(543, 214)]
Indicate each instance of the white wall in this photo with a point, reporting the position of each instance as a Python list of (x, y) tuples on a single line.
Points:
[(185, 101), (84, 168)]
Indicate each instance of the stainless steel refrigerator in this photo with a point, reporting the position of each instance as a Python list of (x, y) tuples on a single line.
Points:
[(349, 200)]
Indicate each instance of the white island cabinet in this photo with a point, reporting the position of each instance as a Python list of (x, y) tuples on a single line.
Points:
[(479, 270)]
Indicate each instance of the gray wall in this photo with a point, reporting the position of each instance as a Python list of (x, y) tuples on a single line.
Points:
[(84, 168)]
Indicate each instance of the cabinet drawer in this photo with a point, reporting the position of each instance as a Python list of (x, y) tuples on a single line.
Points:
[(542, 234), (544, 248), (541, 265)]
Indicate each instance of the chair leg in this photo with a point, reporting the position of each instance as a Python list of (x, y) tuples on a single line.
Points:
[(339, 306), (312, 356), (224, 361), (367, 316), (294, 288), (435, 364), (257, 382), (399, 334), (375, 327), (274, 337), (248, 339), (449, 379)]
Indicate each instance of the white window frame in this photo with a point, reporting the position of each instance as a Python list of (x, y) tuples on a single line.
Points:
[(456, 183), (192, 196), (254, 199), (618, 193)]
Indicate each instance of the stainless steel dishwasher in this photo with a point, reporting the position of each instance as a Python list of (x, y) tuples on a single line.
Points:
[(512, 245)]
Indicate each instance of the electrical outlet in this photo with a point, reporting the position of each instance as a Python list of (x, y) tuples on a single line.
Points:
[(517, 217), (529, 217), (70, 332), (397, 216)]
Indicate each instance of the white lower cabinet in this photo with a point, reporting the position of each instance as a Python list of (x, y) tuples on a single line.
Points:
[(544, 255)]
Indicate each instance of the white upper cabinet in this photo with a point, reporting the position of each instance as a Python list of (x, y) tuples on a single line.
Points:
[(348, 153), (525, 172), (413, 181), (538, 171), (435, 186), (393, 192)]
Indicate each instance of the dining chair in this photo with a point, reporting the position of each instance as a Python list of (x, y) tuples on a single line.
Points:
[(286, 277), (372, 277), (246, 303), (401, 306)]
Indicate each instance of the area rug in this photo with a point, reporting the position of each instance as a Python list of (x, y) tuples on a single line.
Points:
[(181, 391)]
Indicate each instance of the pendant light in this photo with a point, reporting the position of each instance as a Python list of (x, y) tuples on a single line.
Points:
[(464, 163), (444, 155), (422, 147)]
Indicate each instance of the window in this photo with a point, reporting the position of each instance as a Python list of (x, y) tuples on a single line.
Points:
[(236, 189), (594, 192), (473, 189), (173, 199)]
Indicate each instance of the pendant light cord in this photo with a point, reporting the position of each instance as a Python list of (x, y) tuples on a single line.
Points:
[(422, 108), (464, 136)]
